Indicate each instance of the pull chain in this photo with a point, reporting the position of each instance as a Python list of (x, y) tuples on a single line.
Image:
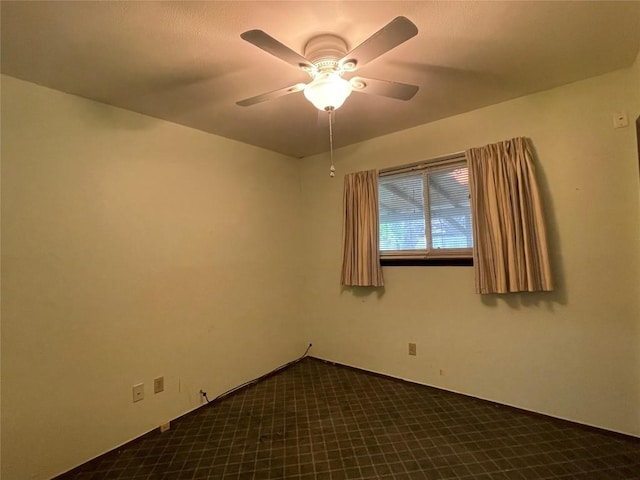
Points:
[(332, 169)]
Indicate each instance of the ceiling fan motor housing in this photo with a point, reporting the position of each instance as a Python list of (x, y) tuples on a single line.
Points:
[(325, 51), (326, 58)]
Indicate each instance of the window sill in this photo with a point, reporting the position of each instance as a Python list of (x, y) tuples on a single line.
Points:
[(427, 262)]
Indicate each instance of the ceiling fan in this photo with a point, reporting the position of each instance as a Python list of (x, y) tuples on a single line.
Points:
[(326, 60)]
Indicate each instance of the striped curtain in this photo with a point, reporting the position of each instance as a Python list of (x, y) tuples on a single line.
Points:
[(360, 255), (510, 243)]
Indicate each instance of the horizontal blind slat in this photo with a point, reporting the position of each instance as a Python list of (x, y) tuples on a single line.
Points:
[(401, 206), (402, 210), (450, 213)]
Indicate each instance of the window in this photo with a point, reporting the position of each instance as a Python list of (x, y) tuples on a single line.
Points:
[(425, 212)]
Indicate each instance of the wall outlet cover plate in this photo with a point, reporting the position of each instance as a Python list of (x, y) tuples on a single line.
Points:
[(138, 392)]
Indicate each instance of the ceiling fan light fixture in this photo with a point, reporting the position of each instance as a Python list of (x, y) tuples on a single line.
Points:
[(327, 91)]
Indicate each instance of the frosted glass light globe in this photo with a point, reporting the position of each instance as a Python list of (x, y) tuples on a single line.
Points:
[(327, 91)]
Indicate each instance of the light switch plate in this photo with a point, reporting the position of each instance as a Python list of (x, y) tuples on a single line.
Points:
[(158, 385)]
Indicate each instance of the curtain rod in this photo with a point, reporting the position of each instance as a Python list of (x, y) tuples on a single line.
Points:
[(421, 164)]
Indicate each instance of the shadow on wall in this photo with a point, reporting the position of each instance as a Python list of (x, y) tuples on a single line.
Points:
[(103, 116), (519, 300), (170, 96), (638, 140), (362, 292)]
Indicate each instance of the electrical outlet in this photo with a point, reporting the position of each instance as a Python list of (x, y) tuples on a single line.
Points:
[(138, 392), (412, 349), (158, 385), (620, 120)]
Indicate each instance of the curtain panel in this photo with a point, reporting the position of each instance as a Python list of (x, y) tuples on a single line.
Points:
[(510, 242), (360, 253)]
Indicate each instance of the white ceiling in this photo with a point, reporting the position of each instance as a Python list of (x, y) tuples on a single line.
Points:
[(185, 61)]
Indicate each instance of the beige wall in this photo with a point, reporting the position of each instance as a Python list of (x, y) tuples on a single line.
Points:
[(132, 248), (573, 353)]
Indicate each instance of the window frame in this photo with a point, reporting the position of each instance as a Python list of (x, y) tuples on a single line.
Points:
[(434, 257)]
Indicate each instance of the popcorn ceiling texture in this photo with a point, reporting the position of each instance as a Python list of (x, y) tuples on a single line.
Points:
[(185, 61)]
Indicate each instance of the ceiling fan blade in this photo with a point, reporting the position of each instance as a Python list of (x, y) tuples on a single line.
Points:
[(270, 45), (385, 88), (397, 31), (298, 87)]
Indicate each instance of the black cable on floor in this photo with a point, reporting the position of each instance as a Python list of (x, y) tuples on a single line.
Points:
[(256, 380)]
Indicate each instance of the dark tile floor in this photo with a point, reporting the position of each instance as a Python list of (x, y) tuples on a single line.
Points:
[(319, 421)]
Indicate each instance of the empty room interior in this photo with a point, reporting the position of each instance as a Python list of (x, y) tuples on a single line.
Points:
[(166, 227)]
